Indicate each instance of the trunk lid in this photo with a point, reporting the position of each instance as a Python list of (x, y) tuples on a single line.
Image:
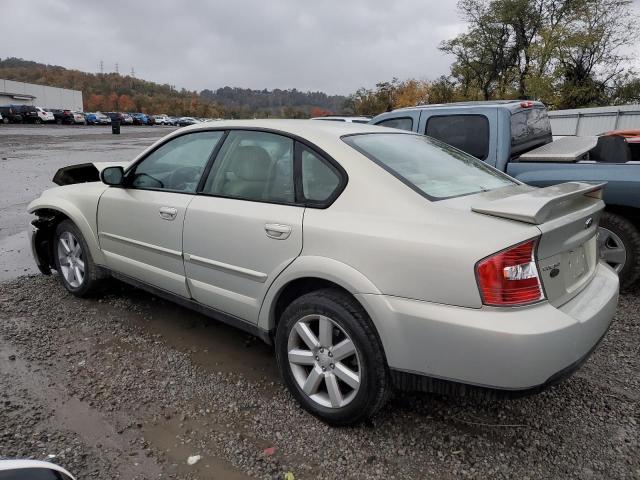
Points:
[(567, 216)]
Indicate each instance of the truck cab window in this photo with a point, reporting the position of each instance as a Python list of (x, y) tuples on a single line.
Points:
[(469, 133)]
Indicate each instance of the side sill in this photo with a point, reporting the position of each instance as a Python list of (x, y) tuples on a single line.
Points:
[(210, 312)]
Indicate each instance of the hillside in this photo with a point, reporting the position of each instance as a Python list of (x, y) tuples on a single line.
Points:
[(111, 91)]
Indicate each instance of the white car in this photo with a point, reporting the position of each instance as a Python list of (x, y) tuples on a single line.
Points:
[(336, 118), (78, 118), (45, 115), (161, 119), (32, 470), (371, 257)]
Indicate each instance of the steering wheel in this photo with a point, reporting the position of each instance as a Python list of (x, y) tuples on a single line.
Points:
[(183, 176)]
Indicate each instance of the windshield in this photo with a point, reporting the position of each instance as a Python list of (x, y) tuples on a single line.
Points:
[(434, 169)]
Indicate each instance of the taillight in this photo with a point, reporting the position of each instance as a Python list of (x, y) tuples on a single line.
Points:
[(510, 277)]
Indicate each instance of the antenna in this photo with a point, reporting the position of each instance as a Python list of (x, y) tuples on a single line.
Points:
[(101, 67), (117, 67)]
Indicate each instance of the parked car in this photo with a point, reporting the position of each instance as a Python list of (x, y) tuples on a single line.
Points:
[(45, 115), (161, 119), (371, 258), (32, 470), (515, 137), (1, 119), (140, 118), (78, 118), (28, 112), (336, 118), (63, 117), (97, 118), (186, 121), (123, 118), (173, 121), (10, 114)]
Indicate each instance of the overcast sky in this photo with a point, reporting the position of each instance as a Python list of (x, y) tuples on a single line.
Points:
[(331, 45), (335, 46)]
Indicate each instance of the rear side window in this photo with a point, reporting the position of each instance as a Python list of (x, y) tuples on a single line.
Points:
[(404, 123), (529, 129), (428, 166), (319, 179), (254, 166), (469, 133)]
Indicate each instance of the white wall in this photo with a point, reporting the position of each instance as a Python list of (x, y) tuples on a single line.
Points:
[(46, 97)]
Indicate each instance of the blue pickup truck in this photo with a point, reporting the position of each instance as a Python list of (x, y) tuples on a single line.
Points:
[(515, 137)]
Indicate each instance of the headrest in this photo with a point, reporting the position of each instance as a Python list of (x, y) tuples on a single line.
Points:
[(251, 163)]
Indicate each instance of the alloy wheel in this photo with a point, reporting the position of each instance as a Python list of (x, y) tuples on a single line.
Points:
[(612, 249), (71, 259), (324, 361)]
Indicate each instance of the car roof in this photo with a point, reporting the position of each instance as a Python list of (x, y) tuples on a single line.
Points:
[(308, 129), (341, 117), (510, 104)]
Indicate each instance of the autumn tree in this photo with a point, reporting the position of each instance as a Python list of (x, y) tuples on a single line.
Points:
[(568, 53)]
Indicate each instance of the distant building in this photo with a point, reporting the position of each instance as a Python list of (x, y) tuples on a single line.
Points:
[(19, 93), (594, 121)]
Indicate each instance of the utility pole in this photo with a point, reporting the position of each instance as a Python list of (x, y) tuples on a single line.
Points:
[(101, 67), (117, 68)]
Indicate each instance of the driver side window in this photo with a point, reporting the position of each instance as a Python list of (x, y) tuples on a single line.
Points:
[(178, 164)]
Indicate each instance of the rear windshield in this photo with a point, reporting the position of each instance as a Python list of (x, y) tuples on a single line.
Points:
[(432, 168), (529, 129)]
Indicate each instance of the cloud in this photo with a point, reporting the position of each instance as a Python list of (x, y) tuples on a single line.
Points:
[(331, 45)]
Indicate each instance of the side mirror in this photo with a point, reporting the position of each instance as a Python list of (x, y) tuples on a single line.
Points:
[(113, 176)]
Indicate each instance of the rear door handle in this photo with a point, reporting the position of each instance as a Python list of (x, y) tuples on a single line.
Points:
[(277, 231), (168, 213)]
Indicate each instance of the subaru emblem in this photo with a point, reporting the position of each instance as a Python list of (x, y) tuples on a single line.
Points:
[(588, 223)]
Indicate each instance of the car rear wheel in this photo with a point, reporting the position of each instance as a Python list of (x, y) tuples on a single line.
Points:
[(73, 262), (331, 358), (619, 245)]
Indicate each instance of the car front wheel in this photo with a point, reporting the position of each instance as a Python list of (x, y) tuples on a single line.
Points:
[(331, 358), (75, 267)]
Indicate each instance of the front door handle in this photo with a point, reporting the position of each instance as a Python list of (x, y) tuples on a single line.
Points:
[(168, 213), (277, 231)]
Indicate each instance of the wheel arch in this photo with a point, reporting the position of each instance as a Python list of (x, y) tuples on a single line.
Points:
[(630, 213), (309, 273), (50, 214)]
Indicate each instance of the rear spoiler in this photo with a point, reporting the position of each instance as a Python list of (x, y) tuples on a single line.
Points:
[(535, 206)]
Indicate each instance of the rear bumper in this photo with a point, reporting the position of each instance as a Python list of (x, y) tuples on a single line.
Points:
[(499, 348)]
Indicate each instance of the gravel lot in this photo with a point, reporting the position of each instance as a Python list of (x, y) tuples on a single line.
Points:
[(126, 385)]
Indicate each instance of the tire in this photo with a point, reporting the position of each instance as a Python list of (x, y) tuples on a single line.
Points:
[(616, 231), (347, 321), (90, 278)]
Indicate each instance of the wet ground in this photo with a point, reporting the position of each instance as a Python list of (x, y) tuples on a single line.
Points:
[(126, 385), (29, 157)]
